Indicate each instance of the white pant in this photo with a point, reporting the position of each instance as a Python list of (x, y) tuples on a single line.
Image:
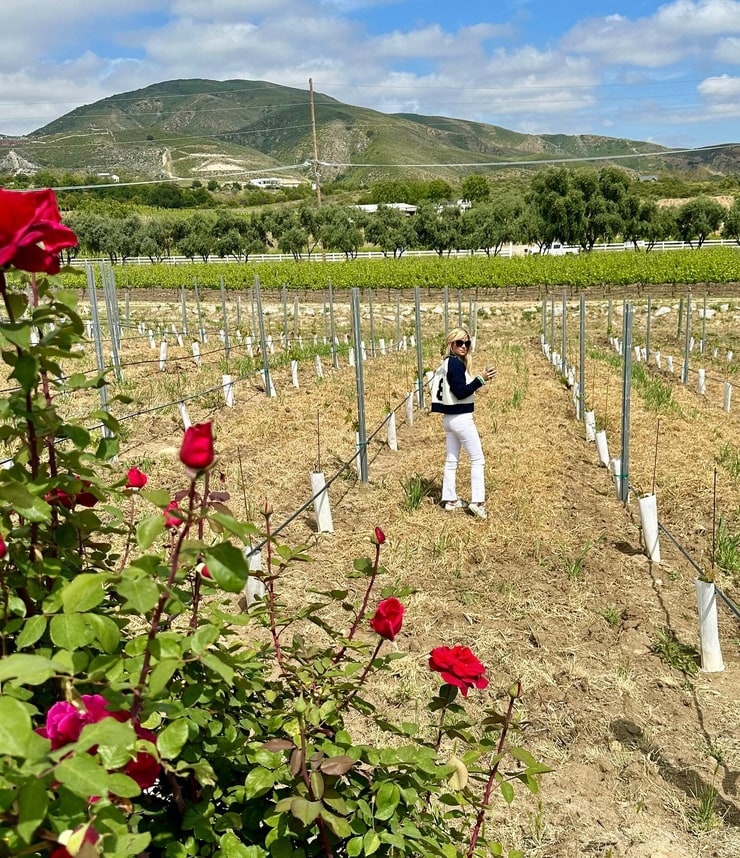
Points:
[(461, 432)]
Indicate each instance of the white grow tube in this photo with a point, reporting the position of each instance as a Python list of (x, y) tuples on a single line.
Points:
[(706, 602), (602, 448), (649, 520), (321, 506)]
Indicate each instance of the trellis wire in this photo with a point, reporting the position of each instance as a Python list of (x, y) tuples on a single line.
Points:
[(362, 440)]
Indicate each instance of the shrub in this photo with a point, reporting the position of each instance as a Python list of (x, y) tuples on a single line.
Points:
[(138, 715)]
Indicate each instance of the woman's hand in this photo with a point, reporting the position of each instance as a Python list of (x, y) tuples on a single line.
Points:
[(489, 373)]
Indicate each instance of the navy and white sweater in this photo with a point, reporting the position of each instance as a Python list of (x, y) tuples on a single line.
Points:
[(461, 385)]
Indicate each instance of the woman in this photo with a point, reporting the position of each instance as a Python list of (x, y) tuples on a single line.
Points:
[(453, 397)]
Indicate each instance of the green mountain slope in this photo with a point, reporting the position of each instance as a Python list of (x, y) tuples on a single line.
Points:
[(237, 128)]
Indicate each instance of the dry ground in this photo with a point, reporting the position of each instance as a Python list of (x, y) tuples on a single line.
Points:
[(553, 588)]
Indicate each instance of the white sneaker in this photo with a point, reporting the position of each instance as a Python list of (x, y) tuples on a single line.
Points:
[(453, 505), (478, 510)]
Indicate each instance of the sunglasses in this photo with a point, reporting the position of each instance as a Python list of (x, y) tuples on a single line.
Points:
[(461, 343)]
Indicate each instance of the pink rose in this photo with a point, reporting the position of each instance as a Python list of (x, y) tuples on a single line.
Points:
[(197, 451)]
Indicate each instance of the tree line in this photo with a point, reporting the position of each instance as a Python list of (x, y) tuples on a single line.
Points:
[(573, 207)]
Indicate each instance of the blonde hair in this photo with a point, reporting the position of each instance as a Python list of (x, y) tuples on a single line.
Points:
[(460, 334)]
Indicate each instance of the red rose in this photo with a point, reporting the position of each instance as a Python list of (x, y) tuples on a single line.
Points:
[(204, 571), (145, 768), (85, 498), (388, 618), (196, 451), (170, 518), (31, 231), (135, 479), (459, 667), (3, 547), (58, 497), (378, 537)]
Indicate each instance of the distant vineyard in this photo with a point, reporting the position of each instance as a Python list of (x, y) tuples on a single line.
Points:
[(719, 265)]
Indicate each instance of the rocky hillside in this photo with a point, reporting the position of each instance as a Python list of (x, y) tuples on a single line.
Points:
[(238, 128)]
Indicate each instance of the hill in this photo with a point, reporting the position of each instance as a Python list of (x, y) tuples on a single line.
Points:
[(237, 128)]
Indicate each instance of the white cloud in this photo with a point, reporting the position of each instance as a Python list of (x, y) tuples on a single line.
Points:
[(675, 32)]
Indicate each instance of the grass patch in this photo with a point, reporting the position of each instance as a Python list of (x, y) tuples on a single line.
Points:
[(729, 458), (657, 395), (415, 489), (673, 652), (727, 549)]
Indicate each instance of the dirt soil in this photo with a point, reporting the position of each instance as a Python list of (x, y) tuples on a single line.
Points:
[(554, 588)]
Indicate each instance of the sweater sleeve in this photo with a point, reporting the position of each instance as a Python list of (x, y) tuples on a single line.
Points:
[(459, 387)]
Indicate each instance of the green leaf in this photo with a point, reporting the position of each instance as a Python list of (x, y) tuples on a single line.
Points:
[(354, 847), (158, 497), (84, 592), (106, 632), (34, 669), (371, 842), (112, 738), (23, 503), (148, 529), (258, 782), (161, 675), (338, 825), (17, 306), (123, 786), (507, 791), (243, 530), (33, 803), (232, 847), (70, 631), (203, 638), (33, 628), (171, 740), (15, 727), (305, 811), (83, 775), (364, 565), (26, 371), (107, 448), (228, 566), (142, 593), (386, 801), (217, 666)]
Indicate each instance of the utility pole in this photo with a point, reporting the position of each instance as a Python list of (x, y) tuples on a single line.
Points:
[(315, 146)]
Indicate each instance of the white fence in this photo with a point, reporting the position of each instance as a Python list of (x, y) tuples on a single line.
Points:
[(508, 252)]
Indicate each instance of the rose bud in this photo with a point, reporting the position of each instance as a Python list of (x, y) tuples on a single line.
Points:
[(378, 537), (388, 618), (196, 452), (136, 479)]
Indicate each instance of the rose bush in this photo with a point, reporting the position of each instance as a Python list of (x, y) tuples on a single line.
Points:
[(140, 715)]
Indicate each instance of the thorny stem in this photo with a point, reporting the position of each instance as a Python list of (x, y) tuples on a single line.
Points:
[(201, 528), (271, 595), (475, 832), (307, 781), (159, 608), (448, 691), (342, 703), (363, 608), (6, 606), (127, 549), (33, 452)]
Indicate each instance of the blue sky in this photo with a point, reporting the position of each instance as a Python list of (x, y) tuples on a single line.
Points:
[(667, 73)]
